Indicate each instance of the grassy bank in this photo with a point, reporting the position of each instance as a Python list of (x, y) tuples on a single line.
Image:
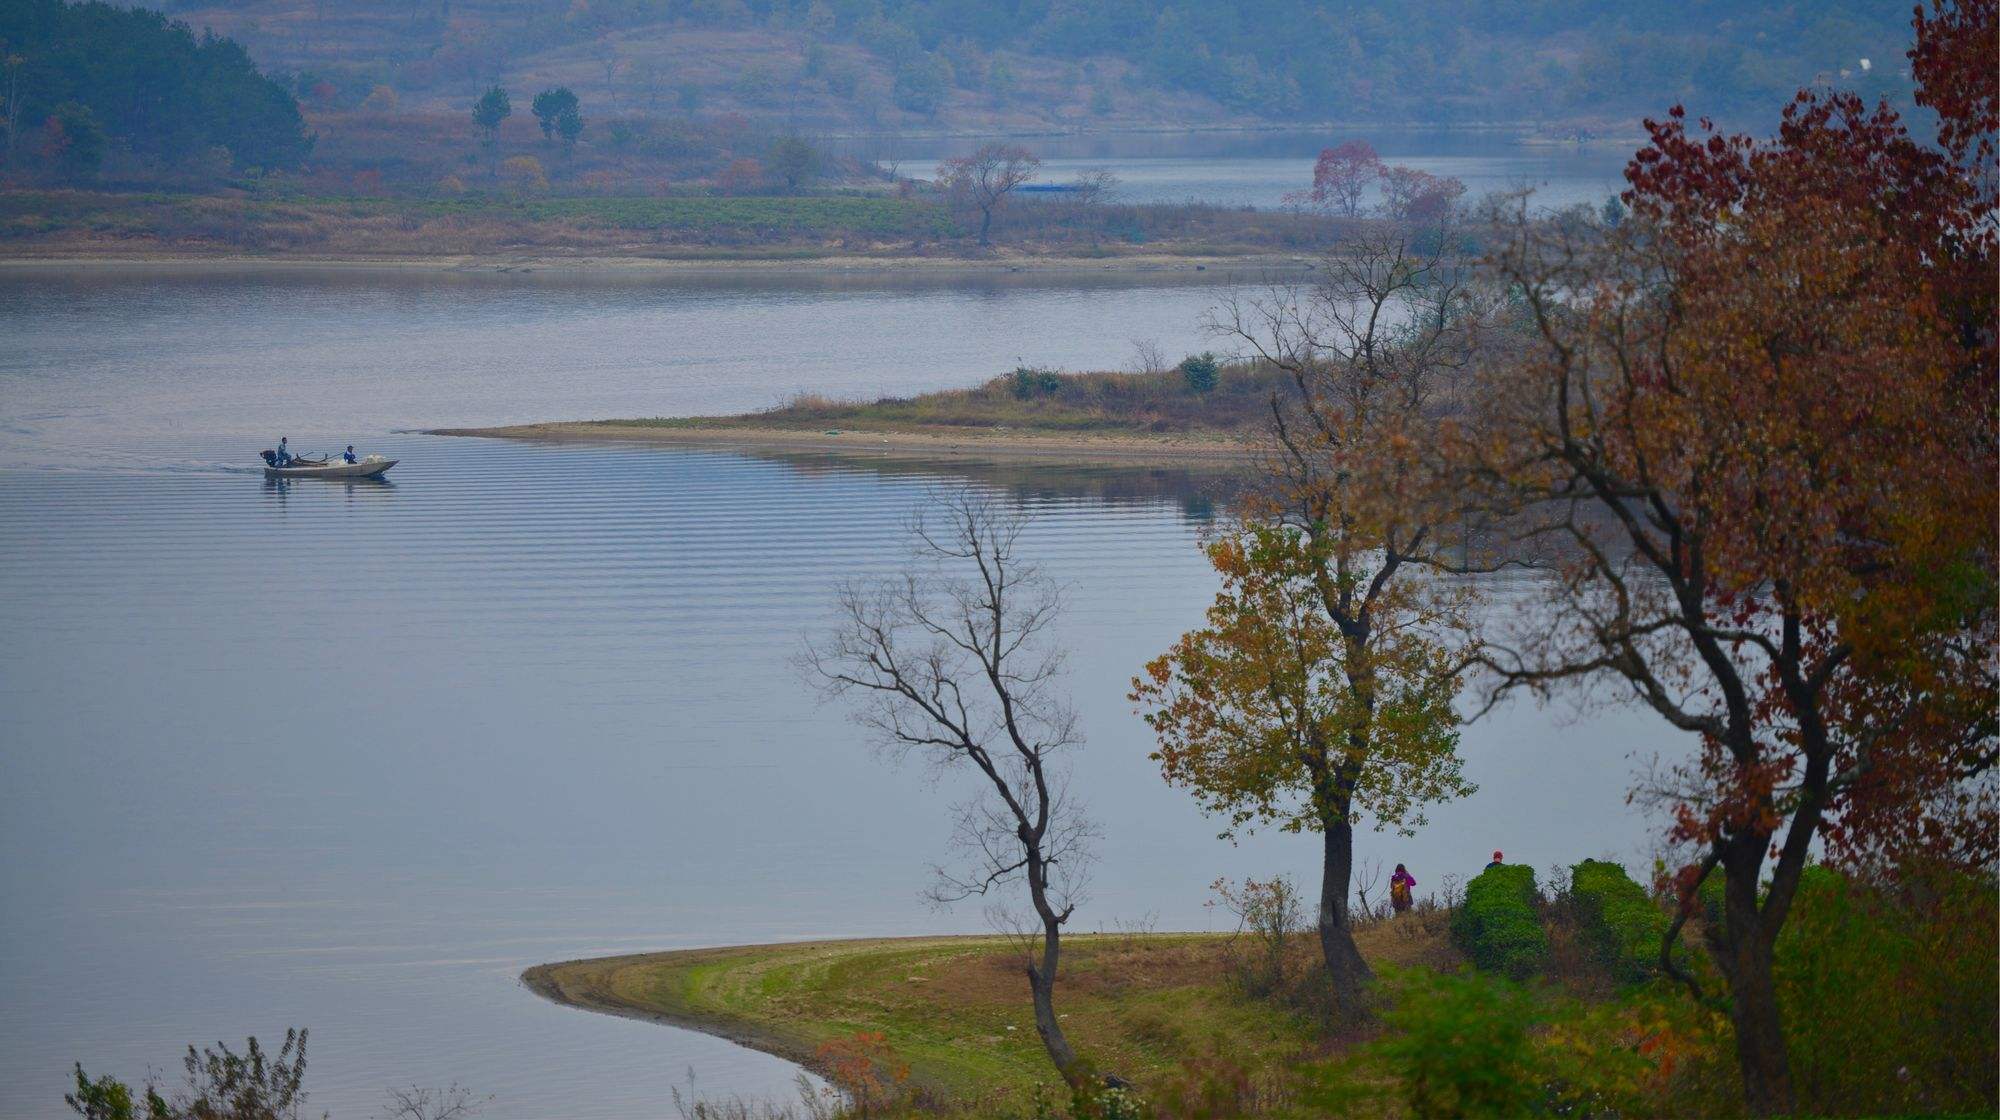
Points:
[(1041, 401), (956, 1009), (1517, 996), (58, 223)]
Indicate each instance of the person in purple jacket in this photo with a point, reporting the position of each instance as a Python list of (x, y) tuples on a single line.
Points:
[(1401, 886)]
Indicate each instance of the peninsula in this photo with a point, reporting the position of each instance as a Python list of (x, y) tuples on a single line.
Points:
[(1209, 415)]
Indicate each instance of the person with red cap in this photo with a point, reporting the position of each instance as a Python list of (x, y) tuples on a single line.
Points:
[(1495, 863)]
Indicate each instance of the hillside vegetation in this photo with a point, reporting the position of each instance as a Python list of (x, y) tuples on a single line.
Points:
[(993, 64), (79, 75)]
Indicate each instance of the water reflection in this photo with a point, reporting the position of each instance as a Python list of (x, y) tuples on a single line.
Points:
[(1259, 168), (1200, 489)]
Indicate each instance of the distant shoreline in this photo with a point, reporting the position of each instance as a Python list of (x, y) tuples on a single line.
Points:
[(964, 444), (828, 265)]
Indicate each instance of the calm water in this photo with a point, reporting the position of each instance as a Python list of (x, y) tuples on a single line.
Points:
[(353, 756), (1260, 168)]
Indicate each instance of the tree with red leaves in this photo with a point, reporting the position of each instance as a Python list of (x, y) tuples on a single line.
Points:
[(1756, 425), (1342, 177)]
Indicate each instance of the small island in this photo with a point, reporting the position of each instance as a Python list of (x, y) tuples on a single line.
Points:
[(1199, 413)]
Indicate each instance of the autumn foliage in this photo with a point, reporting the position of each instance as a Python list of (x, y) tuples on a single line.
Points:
[(1754, 429)]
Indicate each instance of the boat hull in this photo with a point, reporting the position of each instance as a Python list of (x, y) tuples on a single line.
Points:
[(371, 467)]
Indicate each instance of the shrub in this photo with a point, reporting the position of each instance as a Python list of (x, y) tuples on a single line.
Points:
[(922, 83), (1034, 381), (867, 1071), (1461, 1043), (221, 1085), (1889, 990), (1623, 924), (1271, 913), (526, 173), (1498, 926), (1201, 372)]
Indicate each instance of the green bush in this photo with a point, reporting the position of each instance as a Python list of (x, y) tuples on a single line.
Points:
[(1201, 372), (1888, 990), (1032, 381), (1461, 1045), (1497, 926), (1888, 993), (1622, 922)]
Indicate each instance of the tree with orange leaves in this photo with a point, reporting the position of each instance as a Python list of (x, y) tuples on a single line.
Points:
[(1320, 693), (1756, 425), (1273, 714)]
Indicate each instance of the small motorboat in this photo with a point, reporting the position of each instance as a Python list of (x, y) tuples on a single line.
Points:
[(371, 467)]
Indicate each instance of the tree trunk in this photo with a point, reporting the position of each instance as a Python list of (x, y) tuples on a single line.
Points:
[(1754, 1011), (985, 224), (1042, 983), (1346, 972)]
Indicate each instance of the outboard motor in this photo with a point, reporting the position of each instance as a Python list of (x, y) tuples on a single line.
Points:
[(270, 457)]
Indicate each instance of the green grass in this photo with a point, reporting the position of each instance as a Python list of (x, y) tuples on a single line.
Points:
[(957, 1009), (273, 217), (37, 212)]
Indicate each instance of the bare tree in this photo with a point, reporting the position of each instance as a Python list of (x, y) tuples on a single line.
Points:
[(453, 1102), (984, 179), (953, 662), (1089, 193), (1147, 356), (1367, 875), (608, 57), (13, 64)]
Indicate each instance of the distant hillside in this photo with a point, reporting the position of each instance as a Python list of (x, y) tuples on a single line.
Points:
[(996, 65)]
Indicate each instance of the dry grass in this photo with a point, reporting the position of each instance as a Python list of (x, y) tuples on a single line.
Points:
[(1156, 403)]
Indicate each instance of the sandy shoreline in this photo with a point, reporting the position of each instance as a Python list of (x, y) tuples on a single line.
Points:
[(671, 266), (972, 444)]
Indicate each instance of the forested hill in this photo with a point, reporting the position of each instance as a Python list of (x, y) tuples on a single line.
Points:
[(84, 79), (995, 64)]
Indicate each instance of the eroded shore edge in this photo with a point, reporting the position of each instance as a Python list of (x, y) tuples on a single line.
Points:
[(586, 984)]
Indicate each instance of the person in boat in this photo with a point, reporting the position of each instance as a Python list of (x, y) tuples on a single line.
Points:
[(1400, 885), (347, 456), (284, 452)]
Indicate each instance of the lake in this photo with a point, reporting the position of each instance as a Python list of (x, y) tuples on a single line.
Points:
[(352, 756)]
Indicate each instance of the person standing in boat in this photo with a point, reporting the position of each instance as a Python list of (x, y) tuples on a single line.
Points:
[(284, 452), (348, 455)]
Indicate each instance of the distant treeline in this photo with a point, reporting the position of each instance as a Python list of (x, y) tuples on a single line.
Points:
[(1434, 60), (1439, 59), (88, 80)]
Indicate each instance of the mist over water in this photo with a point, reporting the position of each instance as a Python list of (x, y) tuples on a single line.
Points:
[(352, 756), (1259, 169)]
